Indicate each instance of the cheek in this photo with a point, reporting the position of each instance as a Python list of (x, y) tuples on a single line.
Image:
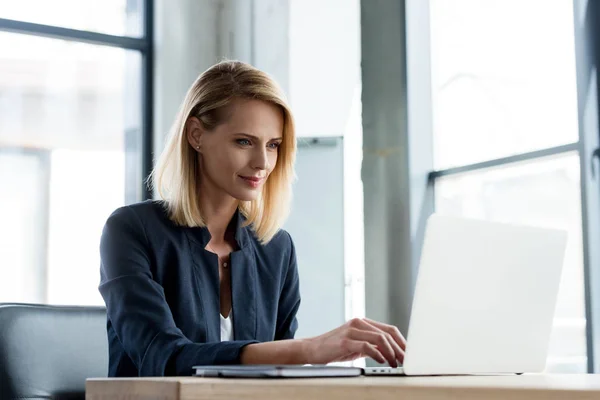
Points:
[(273, 160), (216, 165), (219, 160), (228, 164), (237, 161)]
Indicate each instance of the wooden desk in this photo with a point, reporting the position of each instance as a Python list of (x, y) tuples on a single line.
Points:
[(564, 387)]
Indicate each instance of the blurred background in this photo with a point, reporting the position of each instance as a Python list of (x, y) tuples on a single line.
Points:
[(481, 108)]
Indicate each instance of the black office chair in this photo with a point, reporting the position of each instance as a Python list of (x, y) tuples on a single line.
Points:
[(47, 352)]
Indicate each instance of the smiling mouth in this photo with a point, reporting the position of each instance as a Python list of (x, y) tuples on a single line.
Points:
[(253, 181)]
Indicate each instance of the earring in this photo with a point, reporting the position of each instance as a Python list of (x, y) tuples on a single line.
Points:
[(198, 147)]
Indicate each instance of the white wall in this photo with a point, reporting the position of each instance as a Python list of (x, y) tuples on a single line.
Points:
[(185, 45), (271, 39), (325, 92), (324, 64)]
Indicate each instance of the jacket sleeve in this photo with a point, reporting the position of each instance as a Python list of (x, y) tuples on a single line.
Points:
[(137, 308), (289, 299)]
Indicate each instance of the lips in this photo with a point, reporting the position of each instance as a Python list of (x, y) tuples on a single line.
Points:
[(253, 181), (252, 178)]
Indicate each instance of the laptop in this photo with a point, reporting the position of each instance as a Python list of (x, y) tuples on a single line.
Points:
[(484, 303), (484, 299)]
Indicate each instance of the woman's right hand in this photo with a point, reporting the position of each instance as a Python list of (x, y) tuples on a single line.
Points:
[(359, 337)]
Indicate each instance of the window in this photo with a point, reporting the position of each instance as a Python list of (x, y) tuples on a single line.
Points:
[(115, 17), (506, 133), (74, 140)]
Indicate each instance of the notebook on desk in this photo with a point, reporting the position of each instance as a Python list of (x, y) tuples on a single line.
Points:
[(275, 371)]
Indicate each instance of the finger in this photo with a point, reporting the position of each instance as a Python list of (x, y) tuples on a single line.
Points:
[(378, 339), (398, 351), (362, 324), (392, 330), (366, 349)]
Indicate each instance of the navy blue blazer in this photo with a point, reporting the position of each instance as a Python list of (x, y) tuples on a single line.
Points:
[(161, 289)]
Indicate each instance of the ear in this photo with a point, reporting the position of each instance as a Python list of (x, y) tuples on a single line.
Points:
[(194, 132)]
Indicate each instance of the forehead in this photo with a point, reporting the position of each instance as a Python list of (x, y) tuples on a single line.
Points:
[(254, 117)]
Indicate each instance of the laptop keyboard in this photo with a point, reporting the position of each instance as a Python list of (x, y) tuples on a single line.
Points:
[(384, 371)]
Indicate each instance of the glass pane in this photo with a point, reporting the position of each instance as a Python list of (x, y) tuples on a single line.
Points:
[(114, 17), (70, 121), (541, 193), (503, 77), (24, 193)]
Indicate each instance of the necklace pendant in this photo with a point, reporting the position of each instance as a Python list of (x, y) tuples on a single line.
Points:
[(225, 265)]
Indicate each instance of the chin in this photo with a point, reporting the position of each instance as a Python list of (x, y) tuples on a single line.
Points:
[(246, 195)]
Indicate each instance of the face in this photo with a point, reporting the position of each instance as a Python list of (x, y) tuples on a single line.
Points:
[(238, 155)]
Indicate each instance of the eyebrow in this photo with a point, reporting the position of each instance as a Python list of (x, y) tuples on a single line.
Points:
[(256, 137)]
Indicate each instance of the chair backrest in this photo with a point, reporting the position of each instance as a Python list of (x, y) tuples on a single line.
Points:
[(48, 352)]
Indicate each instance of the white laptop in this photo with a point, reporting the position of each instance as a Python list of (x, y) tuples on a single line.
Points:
[(484, 299)]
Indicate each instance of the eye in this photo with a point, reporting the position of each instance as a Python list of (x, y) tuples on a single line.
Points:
[(243, 142), (274, 145)]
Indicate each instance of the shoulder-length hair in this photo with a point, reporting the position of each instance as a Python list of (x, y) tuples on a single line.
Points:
[(176, 174)]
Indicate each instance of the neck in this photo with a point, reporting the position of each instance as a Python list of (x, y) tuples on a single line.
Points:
[(217, 209)]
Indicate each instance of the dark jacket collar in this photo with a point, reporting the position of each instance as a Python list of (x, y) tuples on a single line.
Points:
[(202, 236)]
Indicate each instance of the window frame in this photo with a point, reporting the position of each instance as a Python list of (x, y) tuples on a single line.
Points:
[(138, 147), (144, 45)]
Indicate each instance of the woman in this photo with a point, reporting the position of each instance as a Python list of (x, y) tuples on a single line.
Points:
[(206, 276)]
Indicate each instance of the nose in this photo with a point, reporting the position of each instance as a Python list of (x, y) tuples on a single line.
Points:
[(260, 159)]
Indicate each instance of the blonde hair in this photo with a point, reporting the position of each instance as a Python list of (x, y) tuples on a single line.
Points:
[(176, 174)]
